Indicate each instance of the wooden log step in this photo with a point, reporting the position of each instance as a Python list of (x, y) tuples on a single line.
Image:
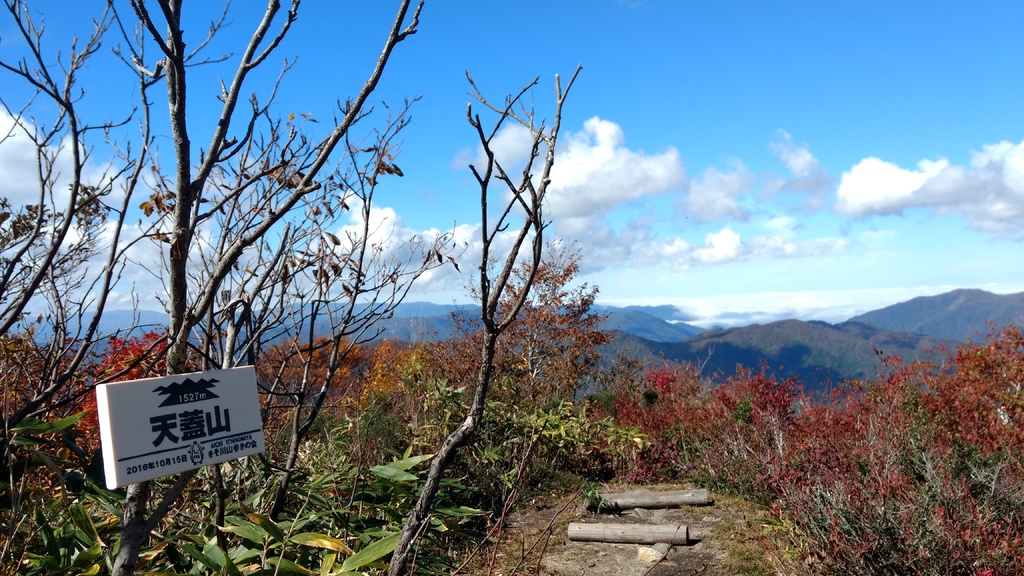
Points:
[(629, 533), (653, 499)]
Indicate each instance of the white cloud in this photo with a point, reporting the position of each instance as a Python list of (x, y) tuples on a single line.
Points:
[(17, 160), (719, 247), (595, 175), (601, 186), (874, 186), (21, 186), (772, 247), (636, 248), (989, 193), (142, 280), (594, 172), (798, 159), (1005, 158), (781, 225), (511, 145), (384, 227), (877, 238), (446, 283), (713, 195), (807, 175)]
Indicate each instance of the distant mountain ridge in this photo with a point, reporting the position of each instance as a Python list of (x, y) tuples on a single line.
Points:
[(816, 352), (820, 354), (648, 326), (416, 321), (959, 315), (664, 312)]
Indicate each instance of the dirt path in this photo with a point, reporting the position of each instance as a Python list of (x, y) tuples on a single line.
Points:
[(724, 541)]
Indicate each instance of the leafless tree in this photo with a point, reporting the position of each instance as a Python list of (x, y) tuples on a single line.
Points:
[(316, 278), (524, 199), (63, 250), (228, 221), (250, 225)]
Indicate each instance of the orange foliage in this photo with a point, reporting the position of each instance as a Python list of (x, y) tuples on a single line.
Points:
[(381, 378), (551, 351), (398, 367), (980, 403), (299, 370), (383, 375), (21, 363)]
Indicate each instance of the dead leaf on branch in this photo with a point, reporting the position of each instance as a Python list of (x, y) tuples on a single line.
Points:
[(386, 165), (160, 203), (280, 176), (388, 168)]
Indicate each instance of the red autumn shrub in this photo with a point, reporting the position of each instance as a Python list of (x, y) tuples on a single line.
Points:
[(123, 359), (918, 472), (980, 402), (662, 409)]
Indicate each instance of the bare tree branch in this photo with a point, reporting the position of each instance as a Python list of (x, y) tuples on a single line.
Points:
[(253, 189), (494, 321)]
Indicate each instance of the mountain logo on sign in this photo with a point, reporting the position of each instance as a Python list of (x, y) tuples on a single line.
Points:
[(187, 391)]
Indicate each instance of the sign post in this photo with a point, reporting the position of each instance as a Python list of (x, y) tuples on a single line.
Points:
[(161, 426)]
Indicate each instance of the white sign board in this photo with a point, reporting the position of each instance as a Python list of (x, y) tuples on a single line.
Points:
[(161, 426)]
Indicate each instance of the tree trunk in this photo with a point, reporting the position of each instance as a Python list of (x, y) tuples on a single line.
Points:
[(458, 438), (652, 499), (531, 199), (629, 533), (133, 529)]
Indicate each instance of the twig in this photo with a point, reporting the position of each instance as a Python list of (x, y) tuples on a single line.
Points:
[(416, 550), (476, 550), (500, 525), (659, 560), (547, 530), (505, 509)]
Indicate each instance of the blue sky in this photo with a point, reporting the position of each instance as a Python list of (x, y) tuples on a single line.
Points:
[(743, 160)]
